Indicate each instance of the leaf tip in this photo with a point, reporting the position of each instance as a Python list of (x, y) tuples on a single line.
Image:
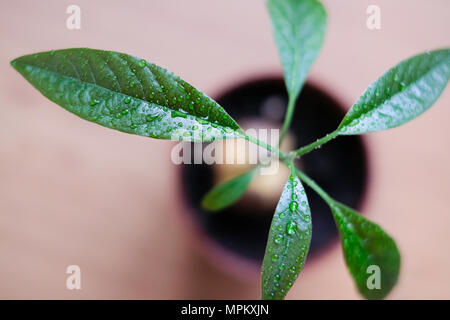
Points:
[(18, 64), (209, 205), (14, 63)]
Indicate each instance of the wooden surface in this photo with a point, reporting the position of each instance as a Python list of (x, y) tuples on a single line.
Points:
[(72, 192)]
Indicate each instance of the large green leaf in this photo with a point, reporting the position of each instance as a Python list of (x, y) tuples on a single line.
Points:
[(367, 250), (126, 93), (289, 240), (299, 28), (400, 95), (227, 193)]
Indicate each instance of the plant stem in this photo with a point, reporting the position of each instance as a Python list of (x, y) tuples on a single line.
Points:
[(315, 144), (288, 118), (313, 185), (270, 148)]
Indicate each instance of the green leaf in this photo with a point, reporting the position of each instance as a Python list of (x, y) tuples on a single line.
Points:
[(289, 240), (400, 95), (126, 93), (227, 193), (365, 245), (299, 28)]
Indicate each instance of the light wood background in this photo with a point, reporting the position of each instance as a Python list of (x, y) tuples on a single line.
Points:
[(72, 192)]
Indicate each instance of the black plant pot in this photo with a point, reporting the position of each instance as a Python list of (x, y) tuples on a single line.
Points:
[(236, 237)]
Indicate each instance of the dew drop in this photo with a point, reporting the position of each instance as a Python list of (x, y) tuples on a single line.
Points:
[(142, 63), (291, 227), (293, 205), (176, 114), (274, 257), (150, 117), (127, 100), (278, 239)]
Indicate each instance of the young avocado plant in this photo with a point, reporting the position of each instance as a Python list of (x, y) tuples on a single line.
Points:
[(131, 95)]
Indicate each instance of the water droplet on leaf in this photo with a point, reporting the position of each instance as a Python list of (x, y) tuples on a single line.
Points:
[(291, 227), (293, 205), (278, 239)]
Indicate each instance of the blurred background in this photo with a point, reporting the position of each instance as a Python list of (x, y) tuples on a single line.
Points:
[(74, 193)]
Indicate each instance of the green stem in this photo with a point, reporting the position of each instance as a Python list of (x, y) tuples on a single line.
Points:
[(315, 144), (268, 147), (313, 185), (288, 118)]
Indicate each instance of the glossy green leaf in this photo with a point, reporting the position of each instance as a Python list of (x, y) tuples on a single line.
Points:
[(299, 28), (227, 193), (289, 240), (126, 93), (400, 95), (367, 251)]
